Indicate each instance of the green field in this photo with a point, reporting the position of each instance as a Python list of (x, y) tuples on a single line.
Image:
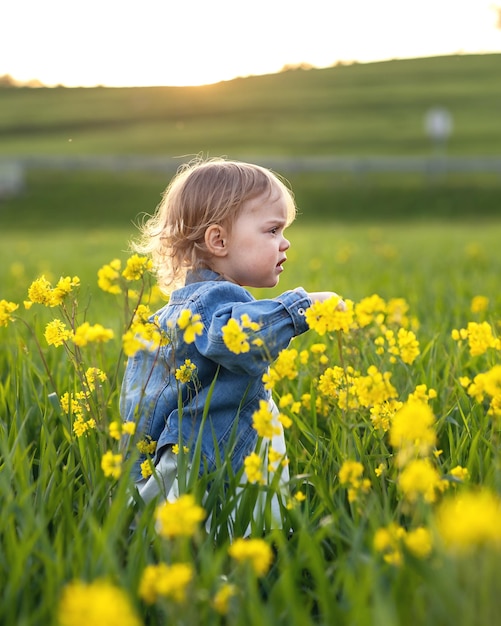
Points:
[(386, 546), (361, 109)]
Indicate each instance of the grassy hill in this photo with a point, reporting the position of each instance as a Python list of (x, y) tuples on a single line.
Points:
[(360, 109)]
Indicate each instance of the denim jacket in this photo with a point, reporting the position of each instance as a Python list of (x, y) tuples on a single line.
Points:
[(170, 412)]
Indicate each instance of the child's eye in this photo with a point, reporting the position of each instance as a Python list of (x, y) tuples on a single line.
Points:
[(274, 230)]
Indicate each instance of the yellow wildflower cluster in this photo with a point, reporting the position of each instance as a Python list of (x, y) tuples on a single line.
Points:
[(165, 581), (479, 304), (185, 372), (469, 520), (41, 291), (403, 345), (78, 404), (118, 429), (350, 390), (111, 464), (191, 325), (284, 367), (143, 334), (325, 317), (221, 600), (480, 337), (256, 552), (413, 436), (262, 421), (111, 279), (98, 602), (350, 476), (6, 310), (235, 337), (487, 384), (146, 446), (57, 333), (393, 539), (179, 518), (253, 465)]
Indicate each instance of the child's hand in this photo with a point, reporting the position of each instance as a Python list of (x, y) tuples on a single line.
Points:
[(321, 296)]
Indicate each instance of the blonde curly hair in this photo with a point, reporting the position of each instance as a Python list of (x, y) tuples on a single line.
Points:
[(203, 192)]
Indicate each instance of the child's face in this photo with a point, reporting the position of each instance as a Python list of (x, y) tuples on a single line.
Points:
[(256, 244)]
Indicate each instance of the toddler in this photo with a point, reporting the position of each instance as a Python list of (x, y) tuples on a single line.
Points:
[(218, 229)]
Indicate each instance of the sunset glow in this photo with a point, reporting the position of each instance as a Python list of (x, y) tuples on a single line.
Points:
[(165, 42)]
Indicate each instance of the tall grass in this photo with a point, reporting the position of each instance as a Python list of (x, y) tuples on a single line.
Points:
[(63, 520)]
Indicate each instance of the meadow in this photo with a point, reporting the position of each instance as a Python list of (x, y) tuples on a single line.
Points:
[(393, 514), (368, 546)]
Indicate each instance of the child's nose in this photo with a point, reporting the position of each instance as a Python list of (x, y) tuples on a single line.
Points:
[(285, 244)]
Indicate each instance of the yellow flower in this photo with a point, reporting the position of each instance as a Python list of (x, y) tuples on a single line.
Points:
[(92, 375), (42, 292), (222, 598), (253, 468), (39, 292), (175, 449), (248, 323), (350, 475), (167, 581), (185, 372), (420, 479), (480, 337), (408, 345), (419, 542), (146, 446), (179, 518), (375, 388), (460, 473), (6, 310), (325, 317), (118, 428), (191, 325), (136, 266), (115, 429), (64, 286), (350, 472), (108, 277), (98, 602), (86, 333), (382, 414), (469, 520), (143, 335), (368, 308), (285, 366), (56, 333), (147, 468), (256, 552), (262, 421), (479, 304), (235, 339), (387, 541), (488, 383), (81, 426), (412, 430), (111, 464), (129, 428)]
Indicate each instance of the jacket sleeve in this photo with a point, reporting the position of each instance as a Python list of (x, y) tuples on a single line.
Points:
[(280, 319)]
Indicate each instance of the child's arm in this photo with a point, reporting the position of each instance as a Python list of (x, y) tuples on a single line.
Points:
[(279, 319)]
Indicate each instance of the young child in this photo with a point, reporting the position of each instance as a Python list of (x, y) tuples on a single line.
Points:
[(219, 228)]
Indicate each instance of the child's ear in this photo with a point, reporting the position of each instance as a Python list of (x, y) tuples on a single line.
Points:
[(216, 240)]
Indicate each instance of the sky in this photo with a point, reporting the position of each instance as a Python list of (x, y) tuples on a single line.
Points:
[(193, 42)]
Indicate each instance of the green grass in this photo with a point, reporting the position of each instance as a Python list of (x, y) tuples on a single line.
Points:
[(362, 109), (61, 519), (91, 201), (431, 241)]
